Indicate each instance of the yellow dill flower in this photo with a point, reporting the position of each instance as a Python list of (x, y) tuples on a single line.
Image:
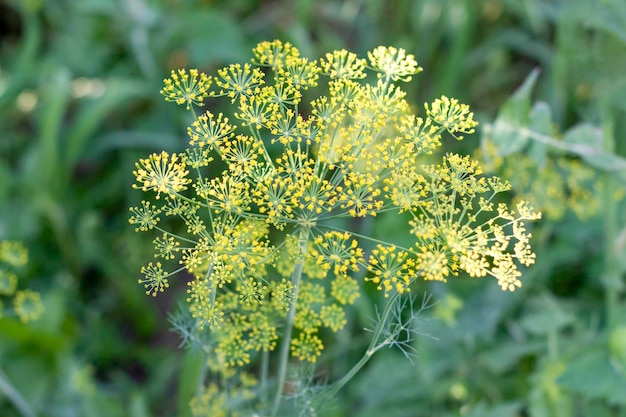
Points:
[(318, 196), (558, 185), (209, 131), (263, 335), (298, 73), (212, 403), (287, 127), (307, 319), (257, 109), (186, 87), (251, 291), (13, 253), (403, 187), (454, 117), (161, 173), (343, 64), (386, 101), (311, 294), (392, 269), (280, 95), (344, 289), (311, 268), (337, 251), (359, 196), (197, 158), (166, 246), (433, 264), (28, 305), (392, 63), (208, 315), (255, 222), (344, 90), (420, 133), (237, 81), (155, 279), (282, 295), (274, 196), (232, 346), (145, 216), (242, 153), (333, 317), (274, 53), (453, 239), (328, 111), (225, 193), (307, 347), (8, 282)]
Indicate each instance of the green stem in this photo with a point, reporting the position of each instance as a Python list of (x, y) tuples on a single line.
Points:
[(371, 348), (265, 365), (14, 396), (202, 375), (296, 277), (612, 280)]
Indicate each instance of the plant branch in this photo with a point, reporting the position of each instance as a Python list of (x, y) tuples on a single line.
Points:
[(371, 348), (296, 277), (15, 397)]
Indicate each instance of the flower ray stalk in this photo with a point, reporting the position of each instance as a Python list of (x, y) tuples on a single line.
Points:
[(372, 348)]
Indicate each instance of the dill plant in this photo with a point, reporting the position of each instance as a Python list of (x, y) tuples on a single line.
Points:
[(266, 196)]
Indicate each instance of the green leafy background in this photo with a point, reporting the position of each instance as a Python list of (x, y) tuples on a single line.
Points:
[(79, 104)]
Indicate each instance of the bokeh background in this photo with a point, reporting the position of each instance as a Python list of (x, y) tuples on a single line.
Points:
[(79, 104)]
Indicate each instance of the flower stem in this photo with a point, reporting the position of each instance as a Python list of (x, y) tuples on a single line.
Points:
[(265, 364), (296, 277), (14, 396), (371, 348), (201, 375), (612, 277)]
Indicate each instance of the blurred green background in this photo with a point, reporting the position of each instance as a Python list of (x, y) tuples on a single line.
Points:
[(79, 104)]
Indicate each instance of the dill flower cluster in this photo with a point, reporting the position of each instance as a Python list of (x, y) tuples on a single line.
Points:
[(266, 194), (556, 185), (26, 304)]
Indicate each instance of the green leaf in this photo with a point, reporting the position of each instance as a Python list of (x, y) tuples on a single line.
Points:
[(498, 410), (588, 141), (584, 134), (504, 355), (546, 315), (192, 364), (546, 399), (55, 99), (541, 122), (594, 376), (514, 115), (93, 113), (216, 37)]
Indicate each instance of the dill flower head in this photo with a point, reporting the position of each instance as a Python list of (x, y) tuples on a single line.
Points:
[(343, 64), (556, 184), (394, 64), (307, 146), (13, 253), (27, 304), (186, 87), (162, 173), (8, 282)]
